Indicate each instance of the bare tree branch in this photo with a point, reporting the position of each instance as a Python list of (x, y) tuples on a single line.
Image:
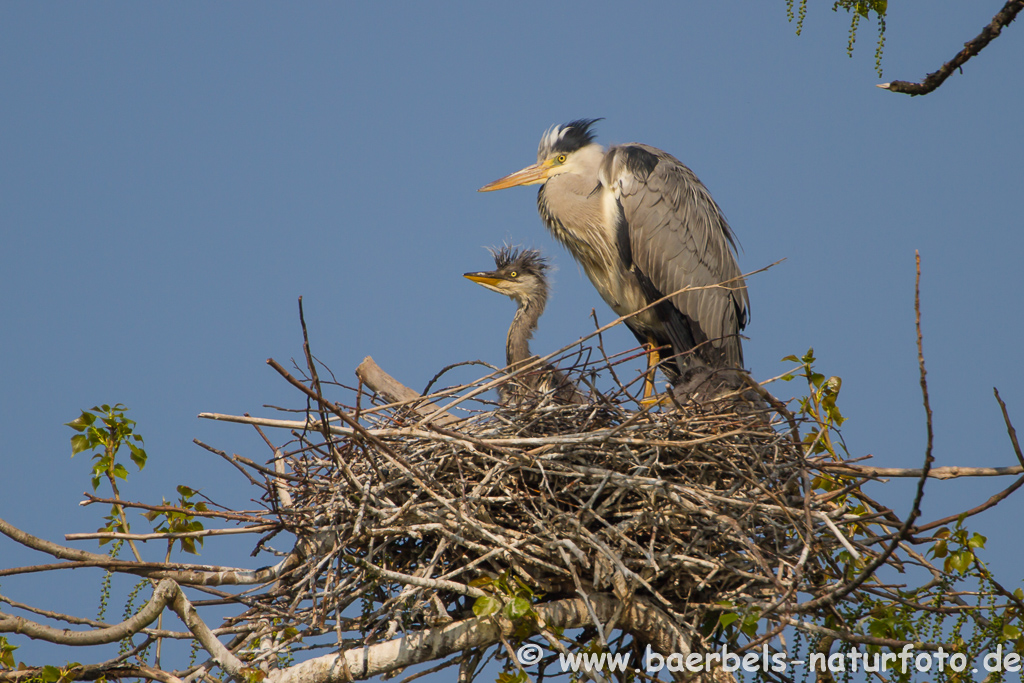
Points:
[(163, 595), (1002, 19), (640, 618), (951, 472), (181, 573), (166, 594)]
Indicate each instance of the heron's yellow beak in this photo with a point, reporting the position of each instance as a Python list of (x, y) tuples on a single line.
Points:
[(531, 175), (482, 279)]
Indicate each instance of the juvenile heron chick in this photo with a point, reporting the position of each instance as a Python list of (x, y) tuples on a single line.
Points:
[(522, 276)]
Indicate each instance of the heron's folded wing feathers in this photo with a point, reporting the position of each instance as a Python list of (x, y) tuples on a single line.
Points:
[(678, 237)]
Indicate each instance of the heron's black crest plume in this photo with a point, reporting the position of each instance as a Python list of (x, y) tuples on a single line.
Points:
[(567, 138), (526, 260)]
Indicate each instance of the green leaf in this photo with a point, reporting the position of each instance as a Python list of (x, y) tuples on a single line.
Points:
[(880, 628), (518, 677), (252, 675), (1011, 631), (523, 586), (50, 674), (79, 443), (787, 377), (792, 359), (120, 471), (960, 561), (517, 608), (82, 421), (138, 456), (727, 618), (486, 605), (976, 541), (7, 653), (480, 582), (66, 675)]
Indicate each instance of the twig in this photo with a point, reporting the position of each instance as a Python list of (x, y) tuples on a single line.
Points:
[(161, 536), (1009, 428), (841, 591)]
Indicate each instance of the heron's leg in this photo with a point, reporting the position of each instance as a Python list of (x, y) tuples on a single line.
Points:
[(653, 358)]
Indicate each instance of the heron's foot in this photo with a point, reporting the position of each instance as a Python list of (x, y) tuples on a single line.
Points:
[(648, 386), (650, 399)]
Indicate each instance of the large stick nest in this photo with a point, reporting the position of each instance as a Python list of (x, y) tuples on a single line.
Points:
[(688, 506)]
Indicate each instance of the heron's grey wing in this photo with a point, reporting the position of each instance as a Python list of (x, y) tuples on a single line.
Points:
[(677, 237)]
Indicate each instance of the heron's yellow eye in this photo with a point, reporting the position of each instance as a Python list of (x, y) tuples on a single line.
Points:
[(513, 274), (560, 158)]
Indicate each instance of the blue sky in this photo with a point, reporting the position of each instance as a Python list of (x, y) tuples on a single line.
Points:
[(175, 176)]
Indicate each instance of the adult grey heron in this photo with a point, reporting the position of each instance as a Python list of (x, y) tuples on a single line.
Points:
[(522, 276), (643, 226)]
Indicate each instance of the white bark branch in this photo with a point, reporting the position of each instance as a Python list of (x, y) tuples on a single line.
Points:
[(183, 574), (163, 595), (641, 619)]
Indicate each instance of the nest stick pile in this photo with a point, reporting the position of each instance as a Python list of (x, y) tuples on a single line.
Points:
[(397, 518)]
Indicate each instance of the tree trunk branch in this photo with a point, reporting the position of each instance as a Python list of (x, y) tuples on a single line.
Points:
[(163, 595), (971, 48), (639, 618)]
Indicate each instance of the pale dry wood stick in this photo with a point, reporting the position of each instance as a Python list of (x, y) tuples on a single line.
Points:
[(373, 376), (111, 535), (951, 472)]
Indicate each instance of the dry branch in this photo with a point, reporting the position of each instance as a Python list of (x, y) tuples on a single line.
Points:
[(951, 472), (990, 32), (371, 374)]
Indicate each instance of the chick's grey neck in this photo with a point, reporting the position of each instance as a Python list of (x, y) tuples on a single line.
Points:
[(517, 345)]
